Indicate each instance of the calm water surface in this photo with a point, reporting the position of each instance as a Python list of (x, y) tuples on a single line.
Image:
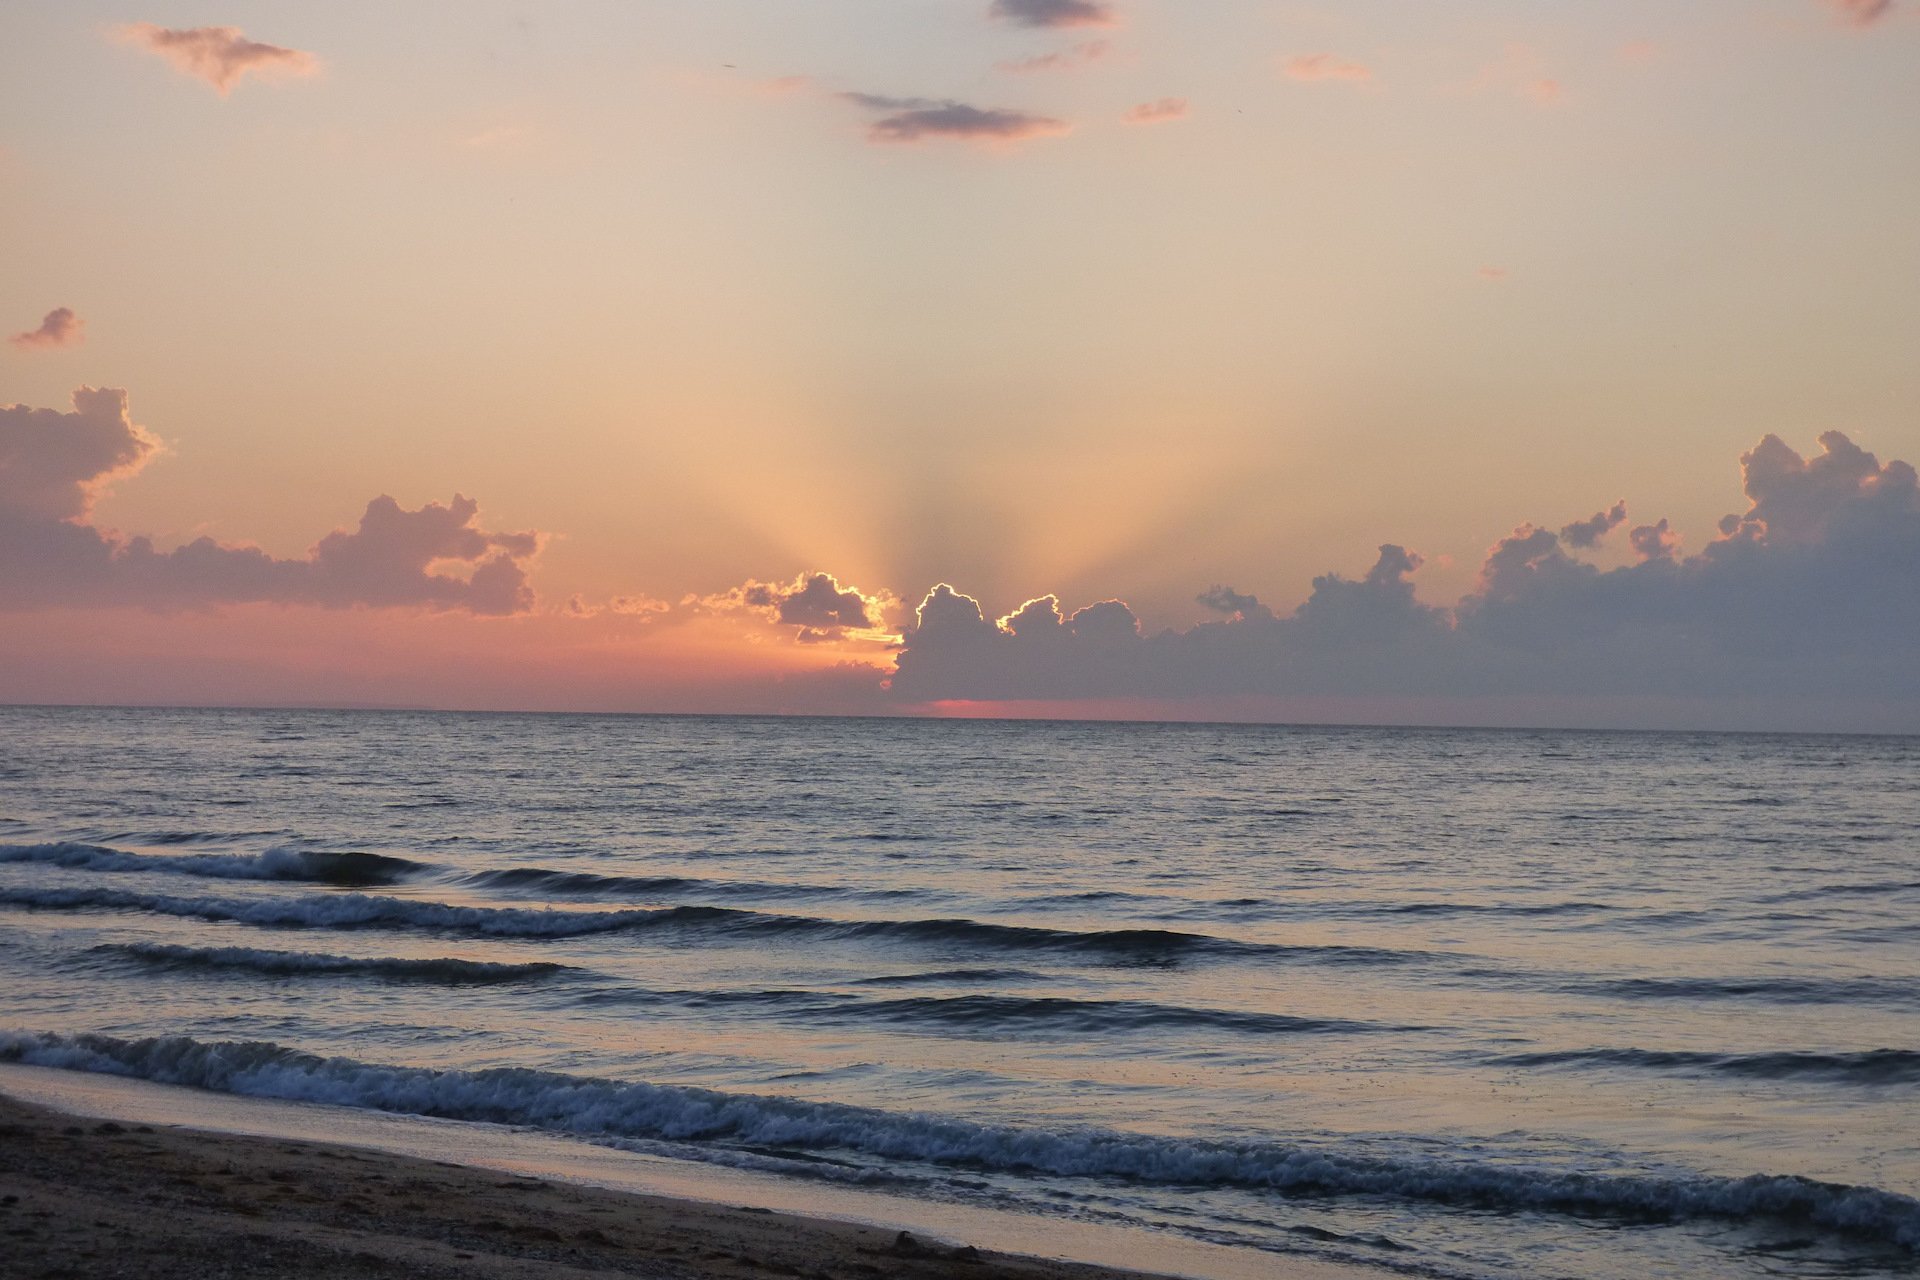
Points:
[(1453, 1003)]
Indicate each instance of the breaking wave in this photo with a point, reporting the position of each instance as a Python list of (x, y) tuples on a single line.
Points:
[(314, 866), (608, 1109)]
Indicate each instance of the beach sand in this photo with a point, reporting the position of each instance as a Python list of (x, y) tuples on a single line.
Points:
[(82, 1198)]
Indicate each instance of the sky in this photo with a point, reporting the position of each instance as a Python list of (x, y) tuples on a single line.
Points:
[(1253, 360)]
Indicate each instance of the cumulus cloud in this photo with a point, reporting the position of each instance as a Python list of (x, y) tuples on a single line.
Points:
[(1157, 112), (1325, 67), (53, 464), (1080, 55), (1860, 13), (1589, 532), (60, 328), (1654, 541), (1813, 591), (815, 604), (919, 119), (1055, 13), (1233, 603), (221, 56)]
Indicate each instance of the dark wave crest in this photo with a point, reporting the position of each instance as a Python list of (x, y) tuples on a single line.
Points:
[(1002, 1014), (349, 868), (1871, 1067), (354, 910), (441, 970)]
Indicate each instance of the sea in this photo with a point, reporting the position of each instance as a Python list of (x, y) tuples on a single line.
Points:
[(1437, 1002)]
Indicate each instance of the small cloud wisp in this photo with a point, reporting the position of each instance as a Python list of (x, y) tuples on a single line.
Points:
[(222, 56), (60, 328)]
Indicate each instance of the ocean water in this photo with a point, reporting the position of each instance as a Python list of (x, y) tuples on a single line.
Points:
[(1440, 1002)]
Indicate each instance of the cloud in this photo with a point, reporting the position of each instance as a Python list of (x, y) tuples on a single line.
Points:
[(221, 56), (639, 608), (1813, 592), (1492, 273), (60, 328), (1654, 541), (1589, 532), (816, 604), (1860, 13), (907, 120), (1055, 13), (1325, 67), (1232, 603), (54, 464), (1157, 112), (1080, 55)]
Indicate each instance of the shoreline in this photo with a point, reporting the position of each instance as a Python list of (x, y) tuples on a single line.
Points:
[(103, 1176)]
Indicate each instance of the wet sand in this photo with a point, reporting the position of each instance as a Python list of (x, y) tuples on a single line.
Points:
[(85, 1197)]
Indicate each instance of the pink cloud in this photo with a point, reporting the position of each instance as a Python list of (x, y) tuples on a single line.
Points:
[(54, 464), (1055, 13), (1157, 112), (910, 120), (1312, 67), (1494, 274), (1080, 55), (1860, 13), (1544, 91), (219, 55), (60, 328)]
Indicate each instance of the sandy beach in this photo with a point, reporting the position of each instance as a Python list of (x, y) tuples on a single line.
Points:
[(87, 1197)]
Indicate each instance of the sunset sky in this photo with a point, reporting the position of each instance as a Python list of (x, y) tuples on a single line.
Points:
[(1119, 301)]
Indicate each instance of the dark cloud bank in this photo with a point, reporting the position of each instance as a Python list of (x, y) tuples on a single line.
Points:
[(53, 463), (1810, 599), (1812, 594)]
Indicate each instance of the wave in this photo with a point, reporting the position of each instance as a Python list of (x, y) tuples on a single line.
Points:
[(944, 977), (444, 970), (1780, 990), (998, 1013), (357, 910), (609, 1109), (352, 911), (1870, 1067), (314, 866), (593, 884), (1480, 908)]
